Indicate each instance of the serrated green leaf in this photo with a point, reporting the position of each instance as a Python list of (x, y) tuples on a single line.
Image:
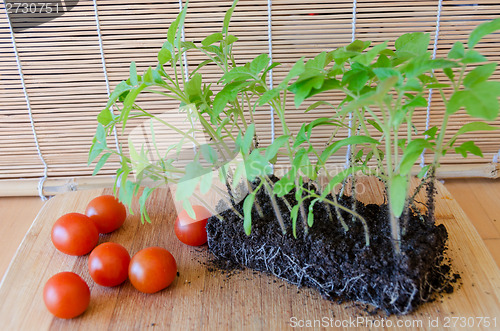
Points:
[(482, 30), (481, 100), (412, 44), (283, 186), (247, 213), (479, 74), (259, 63), (469, 147), (398, 191), (431, 132), (449, 73)]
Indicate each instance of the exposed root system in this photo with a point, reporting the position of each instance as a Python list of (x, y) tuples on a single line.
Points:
[(337, 263)]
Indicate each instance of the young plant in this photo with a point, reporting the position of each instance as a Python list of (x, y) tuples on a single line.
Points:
[(383, 87)]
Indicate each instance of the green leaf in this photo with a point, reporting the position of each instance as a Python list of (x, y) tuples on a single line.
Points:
[(480, 101), (354, 140), (411, 154), (367, 58), (358, 46), (431, 132), (172, 29), (272, 150), (423, 171), (310, 213), (468, 147), (457, 101), (259, 63), (248, 138), (142, 203), (164, 55), (457, 51), (473, 56), (479, 74), (482, 30), (475, 126), (188, 207), (283, 186), (213, 38), (398, 190), (209, 154), (185, 188), (100, 163), (384, 73), (247, 212), (227, 17), (375, 125), (230, 39), (133, 74), (449, 73), (206, 182), (412, 44)]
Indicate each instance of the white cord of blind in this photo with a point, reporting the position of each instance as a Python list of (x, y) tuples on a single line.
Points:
[(429, 99), (30, 113), (105, 71), (349, 130)]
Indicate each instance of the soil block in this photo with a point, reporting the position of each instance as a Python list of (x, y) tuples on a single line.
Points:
[(335, 262)]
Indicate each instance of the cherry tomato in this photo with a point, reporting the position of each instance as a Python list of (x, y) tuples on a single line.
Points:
[(108, 264), (152, 269), (74, 234), (107, 213), (66, 295), (190, 231)]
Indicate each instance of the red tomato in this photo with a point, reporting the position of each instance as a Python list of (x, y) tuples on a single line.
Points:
[(152, 269), (108, 264), (74, 234), (66, 295), (107, 213), (190, 231)]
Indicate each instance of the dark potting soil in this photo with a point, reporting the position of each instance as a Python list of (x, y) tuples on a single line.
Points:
[(337, 263)]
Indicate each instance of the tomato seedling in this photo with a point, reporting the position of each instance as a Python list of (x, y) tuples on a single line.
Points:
[(191, 231), (107, 213), (152, 269), (108, 264), (74, 234), (66, 295)]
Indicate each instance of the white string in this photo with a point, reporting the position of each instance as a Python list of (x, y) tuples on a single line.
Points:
[(429, 99), (349, 130), (30, 113), (270, 51), (105, 71)]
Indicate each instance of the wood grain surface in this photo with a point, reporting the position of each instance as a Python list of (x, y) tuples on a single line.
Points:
[(203, 300)]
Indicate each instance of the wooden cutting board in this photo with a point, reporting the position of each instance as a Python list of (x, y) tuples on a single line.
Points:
[(203, 300)]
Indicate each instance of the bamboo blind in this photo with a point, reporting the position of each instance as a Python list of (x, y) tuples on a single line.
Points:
[(68, 63)]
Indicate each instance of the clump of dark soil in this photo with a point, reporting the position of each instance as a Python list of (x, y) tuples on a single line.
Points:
[(337, 263)]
